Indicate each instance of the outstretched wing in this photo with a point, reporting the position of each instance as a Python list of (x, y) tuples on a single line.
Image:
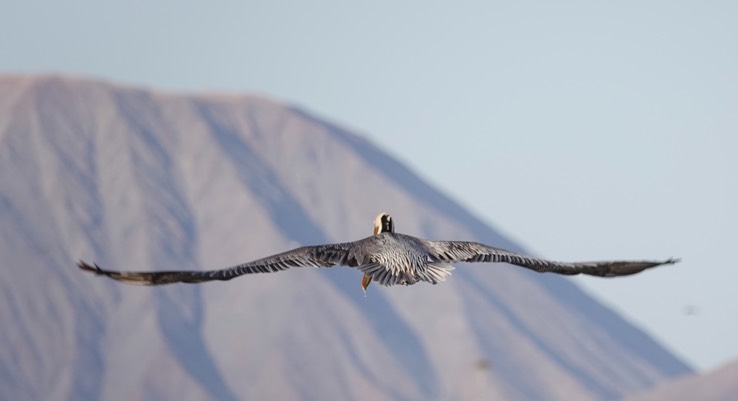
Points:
[(308, 256), (461, 251)]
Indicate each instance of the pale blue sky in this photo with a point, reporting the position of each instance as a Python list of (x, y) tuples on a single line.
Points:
[(582, 129)]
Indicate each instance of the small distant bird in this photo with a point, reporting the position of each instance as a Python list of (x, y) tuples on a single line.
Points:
[(691, 310), (387, 258)]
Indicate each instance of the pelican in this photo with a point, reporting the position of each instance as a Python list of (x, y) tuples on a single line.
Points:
[(386, 257)]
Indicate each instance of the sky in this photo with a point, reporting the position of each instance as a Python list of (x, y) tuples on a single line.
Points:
[(583, 130)]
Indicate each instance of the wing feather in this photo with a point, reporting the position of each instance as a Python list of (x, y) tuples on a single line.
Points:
[(328, 255), (462, 251)]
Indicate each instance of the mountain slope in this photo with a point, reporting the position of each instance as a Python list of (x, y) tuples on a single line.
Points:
[(718, 385), (136, 179)]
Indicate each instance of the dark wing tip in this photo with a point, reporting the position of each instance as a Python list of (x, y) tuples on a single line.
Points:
[(94, 268), (138, 278), (628, 268)]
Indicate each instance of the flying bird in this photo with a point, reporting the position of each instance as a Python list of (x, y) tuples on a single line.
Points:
[(387, 257)]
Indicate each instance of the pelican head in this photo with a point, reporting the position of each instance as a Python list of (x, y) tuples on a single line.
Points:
[(382, 224)]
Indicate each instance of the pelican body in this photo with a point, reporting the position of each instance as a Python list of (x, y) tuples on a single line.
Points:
[(387, 257)]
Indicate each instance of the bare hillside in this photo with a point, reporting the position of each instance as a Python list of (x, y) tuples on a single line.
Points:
[(136, 179), (718, 385)]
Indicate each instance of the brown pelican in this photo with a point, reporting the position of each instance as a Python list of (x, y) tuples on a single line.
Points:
[(386, 257)]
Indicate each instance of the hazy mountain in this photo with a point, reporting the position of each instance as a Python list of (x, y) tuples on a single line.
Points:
[(718, 385), (138, 179)]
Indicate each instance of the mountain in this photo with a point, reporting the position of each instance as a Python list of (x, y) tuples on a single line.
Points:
[(136, 179), (718, 385)]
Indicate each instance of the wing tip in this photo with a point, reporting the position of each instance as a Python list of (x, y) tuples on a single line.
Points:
[(93, 268), (672, 261)]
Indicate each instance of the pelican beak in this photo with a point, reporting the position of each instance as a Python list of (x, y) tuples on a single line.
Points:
[(365, 282)]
